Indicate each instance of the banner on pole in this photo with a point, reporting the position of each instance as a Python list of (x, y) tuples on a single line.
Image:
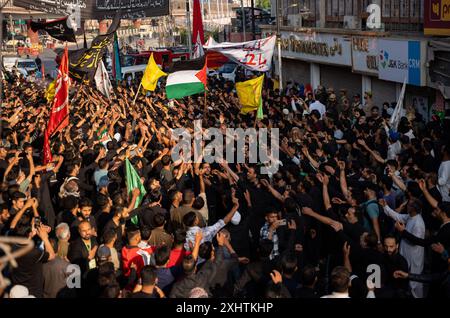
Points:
[(254, 55)]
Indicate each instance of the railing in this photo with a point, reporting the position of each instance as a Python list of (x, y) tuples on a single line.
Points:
[(9, 4), (396, 15)]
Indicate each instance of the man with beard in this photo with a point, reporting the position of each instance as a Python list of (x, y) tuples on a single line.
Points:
[(82, 250), (394, 262)]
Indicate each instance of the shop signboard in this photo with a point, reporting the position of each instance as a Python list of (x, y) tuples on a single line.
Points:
[(402, 59), (317, 47), (365, 55)]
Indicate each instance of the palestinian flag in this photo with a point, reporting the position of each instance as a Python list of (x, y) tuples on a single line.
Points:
[(187, 78)]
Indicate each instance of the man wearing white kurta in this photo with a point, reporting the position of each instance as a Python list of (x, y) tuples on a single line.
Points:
[(444, 175), (413, 254)]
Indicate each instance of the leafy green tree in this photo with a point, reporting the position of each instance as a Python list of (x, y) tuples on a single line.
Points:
[(263, 4)]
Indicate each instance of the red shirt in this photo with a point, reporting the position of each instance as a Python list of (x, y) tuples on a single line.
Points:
[(176, 256), (136, 255)]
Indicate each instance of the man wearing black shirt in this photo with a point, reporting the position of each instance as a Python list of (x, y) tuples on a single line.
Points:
[(146, 214), (440, 242), (69, 214), (104, 214), (82, 251), (394, 262), (4, 218), (18, 201), (3, 163), (117, 224), (29, 266)]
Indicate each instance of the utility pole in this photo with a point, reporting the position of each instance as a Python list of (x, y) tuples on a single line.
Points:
[(11, 27), (253, 20), (243, 18), (1, 58), (279, 17), (188, 23)]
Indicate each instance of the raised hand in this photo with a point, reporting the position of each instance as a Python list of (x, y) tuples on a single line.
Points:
[(276, 277), (292, 225), (422, 184), (346, 249), (265, 182), (400, 226)]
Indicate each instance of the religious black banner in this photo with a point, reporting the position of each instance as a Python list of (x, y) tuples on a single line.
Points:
[(83, 62), (60, 29), (98, 9)]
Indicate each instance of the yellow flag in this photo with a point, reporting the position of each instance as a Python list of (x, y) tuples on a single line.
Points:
[(151, 75), (50, 91), (249, 93)]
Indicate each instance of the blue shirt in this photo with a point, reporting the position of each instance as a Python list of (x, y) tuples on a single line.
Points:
[(98, 174), (371, 212)]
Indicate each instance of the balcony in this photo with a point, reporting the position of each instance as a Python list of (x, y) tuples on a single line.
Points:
[(396, 15)]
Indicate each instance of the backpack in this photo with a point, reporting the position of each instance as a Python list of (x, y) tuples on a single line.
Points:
[(383, 220)]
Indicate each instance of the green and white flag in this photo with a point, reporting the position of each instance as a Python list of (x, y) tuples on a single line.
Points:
[(134, 181), (187, 78)]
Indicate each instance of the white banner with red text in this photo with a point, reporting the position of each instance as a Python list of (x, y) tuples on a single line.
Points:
[(254, 55)]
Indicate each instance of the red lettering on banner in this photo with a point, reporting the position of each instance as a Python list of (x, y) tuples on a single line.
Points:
[(262, 62), (252, 57)]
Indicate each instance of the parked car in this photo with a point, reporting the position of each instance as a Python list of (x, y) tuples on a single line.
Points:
[(227, 71), (9, 62), (133, 70), (28, 65)]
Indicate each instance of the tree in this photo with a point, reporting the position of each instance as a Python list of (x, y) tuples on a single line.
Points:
[(263, 4)]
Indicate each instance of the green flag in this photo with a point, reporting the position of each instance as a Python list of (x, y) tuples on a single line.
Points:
[(134, 181), (259, 113)]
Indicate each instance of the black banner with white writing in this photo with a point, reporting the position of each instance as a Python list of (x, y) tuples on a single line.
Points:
[(83, 62), (58, 29), (98, 9)]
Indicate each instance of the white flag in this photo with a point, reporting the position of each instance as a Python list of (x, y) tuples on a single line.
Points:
[(102, 80), (254, 55), (399, 112)]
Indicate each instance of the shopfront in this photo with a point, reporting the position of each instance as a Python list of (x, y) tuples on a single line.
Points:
[(359, 63)]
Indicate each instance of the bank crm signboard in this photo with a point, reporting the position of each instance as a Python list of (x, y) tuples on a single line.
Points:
[(400, 59), (436, 17), (317, 47)]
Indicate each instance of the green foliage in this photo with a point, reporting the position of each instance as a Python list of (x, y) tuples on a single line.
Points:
[(263, 4)]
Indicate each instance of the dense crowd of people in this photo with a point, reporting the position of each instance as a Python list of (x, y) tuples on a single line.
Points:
[(356, 209)]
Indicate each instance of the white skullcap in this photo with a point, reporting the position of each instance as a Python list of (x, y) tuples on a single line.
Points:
[(19, 291), (236, 218)]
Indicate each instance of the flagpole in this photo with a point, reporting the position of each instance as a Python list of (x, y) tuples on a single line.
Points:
[(188, 24), (137, 93), (205, 110)]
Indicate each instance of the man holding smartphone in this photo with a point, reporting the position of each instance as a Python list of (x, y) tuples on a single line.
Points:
[(269, 231)]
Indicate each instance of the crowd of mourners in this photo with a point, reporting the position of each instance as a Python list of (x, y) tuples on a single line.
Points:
[(356, 209)]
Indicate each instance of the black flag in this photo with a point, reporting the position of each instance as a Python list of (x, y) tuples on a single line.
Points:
[(83, 63), (84, 38), (58, 29)]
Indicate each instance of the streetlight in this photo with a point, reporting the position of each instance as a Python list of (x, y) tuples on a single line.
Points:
[(188, 22), (280, 73), (243, 18)]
